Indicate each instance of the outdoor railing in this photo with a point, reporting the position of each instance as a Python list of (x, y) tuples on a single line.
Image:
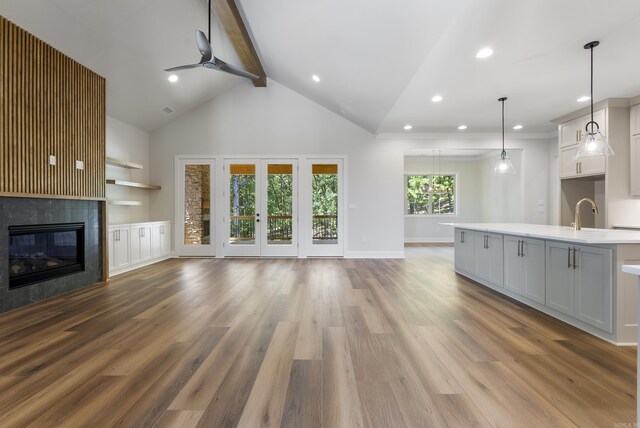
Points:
[(280, 227), (325, 227)]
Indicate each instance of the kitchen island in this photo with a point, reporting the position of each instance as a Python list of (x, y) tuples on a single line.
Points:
[(575, 276)]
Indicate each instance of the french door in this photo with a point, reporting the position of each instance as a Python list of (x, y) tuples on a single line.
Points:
[(262, 207), (195, 208), (325, 219)]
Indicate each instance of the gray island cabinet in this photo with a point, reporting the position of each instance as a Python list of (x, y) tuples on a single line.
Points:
[(574, 276)]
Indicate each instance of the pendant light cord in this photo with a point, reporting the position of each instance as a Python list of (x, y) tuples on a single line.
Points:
[(591, 89), (210, 24), (504, 153)]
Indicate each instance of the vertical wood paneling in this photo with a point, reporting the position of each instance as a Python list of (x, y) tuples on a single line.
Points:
[(50, 105)]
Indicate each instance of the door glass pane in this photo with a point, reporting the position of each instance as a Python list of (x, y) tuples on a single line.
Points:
[(242, 204), (325, 203), (197, 204), (279, 203)]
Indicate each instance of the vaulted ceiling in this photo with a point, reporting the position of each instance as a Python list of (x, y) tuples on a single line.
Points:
[(379, 62)]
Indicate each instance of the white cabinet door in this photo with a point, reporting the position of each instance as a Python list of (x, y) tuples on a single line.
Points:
[(156, 244), (592, 165), (568, 164), (136, 251), (593, 281), (145, 243), (122, 248), (165, 239), (559, 285), (489, 257), (635, 165), (635, 120), (513, 265), (533, 254), (464, 251), (112, 248), (570, 132)]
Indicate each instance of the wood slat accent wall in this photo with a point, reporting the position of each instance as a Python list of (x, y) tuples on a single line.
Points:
[(50, 105)]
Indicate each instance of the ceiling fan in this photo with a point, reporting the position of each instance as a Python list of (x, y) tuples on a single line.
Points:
[(210, 61)]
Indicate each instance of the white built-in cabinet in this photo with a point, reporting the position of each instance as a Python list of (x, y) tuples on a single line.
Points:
[(635, 150), (524, 267), (571, 133), (135, 245), (579, 282), (118, 248)]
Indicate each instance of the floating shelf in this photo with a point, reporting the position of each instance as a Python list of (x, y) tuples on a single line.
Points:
[(133, 184), (122, 163), (124, 203)]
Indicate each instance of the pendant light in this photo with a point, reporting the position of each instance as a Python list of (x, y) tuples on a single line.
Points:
[(593, 143), (504, 165)]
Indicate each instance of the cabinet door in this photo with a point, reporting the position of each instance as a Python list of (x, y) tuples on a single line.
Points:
[(165, 239), (145, 243), (489, 257), (592, 165), (635, 120), (136, 251), (513, 265), (559, 285), (533, 254), (122, 249), (635, 165), (156, 241), (593, 286), (570, 132), (112, 248), (568, 164), (464, 252)]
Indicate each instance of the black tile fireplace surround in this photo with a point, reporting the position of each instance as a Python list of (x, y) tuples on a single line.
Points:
[(20, 215)]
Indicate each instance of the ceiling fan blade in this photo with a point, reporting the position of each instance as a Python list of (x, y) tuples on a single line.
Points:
[(184, 67), (203, 46), (228, 68)]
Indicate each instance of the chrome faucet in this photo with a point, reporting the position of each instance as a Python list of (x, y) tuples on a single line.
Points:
[(577, 225)]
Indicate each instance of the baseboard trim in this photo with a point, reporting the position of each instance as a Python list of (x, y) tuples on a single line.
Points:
[(428, 240), (374, 255)]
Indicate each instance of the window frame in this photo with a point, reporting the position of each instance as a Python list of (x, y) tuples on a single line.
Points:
[(455, 213)]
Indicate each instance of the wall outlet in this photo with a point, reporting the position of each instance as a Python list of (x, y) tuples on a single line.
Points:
[(52, 160), (79, 164)]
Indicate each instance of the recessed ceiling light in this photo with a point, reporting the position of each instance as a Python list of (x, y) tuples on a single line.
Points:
[(436, 98), (583, 99), (517, 127), (462, 127), (484, 53), (173, 78), (408, 127), (167, 109), (315, 78)]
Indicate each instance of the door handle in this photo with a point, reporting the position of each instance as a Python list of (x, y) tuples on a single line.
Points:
[(574, 258), (462, 237), (569, 258), (486, 242), (519, 247)]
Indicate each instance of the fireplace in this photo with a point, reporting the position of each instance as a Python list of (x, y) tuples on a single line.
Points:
[(41, 252)]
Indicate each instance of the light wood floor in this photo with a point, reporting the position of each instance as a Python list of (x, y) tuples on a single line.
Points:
[(304, 343)]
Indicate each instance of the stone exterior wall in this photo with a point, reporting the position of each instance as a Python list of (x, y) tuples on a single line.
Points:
[(197, 191), (27, 211)]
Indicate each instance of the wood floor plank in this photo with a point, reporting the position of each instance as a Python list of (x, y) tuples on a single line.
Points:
[(305, 342)]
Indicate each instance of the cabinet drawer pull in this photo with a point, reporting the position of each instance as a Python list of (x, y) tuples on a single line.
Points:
[(522, 249), (462, 237), (574, 258), (569, 258), (518, 248)]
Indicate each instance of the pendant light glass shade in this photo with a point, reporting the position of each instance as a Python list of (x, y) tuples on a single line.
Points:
[(593, 143), (504, 165)]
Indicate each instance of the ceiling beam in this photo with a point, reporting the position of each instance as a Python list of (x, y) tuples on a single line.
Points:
[(230, 18)]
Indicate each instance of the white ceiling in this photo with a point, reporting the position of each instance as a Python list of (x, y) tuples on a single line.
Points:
[(380, 62)]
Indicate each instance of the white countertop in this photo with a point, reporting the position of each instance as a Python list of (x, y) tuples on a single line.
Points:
[(632, 269), (558, 233)]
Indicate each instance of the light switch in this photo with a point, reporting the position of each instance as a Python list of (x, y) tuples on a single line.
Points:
[(52, 160), (79, 164)]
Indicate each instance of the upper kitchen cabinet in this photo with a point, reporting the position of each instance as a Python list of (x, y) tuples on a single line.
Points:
[(635, 120), (603, 179)]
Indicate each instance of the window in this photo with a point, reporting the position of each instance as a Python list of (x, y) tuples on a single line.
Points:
[(430, 194)]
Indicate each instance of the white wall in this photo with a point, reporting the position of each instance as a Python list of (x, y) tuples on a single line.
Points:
[(468, 197), (278, 121), (130, 144)]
